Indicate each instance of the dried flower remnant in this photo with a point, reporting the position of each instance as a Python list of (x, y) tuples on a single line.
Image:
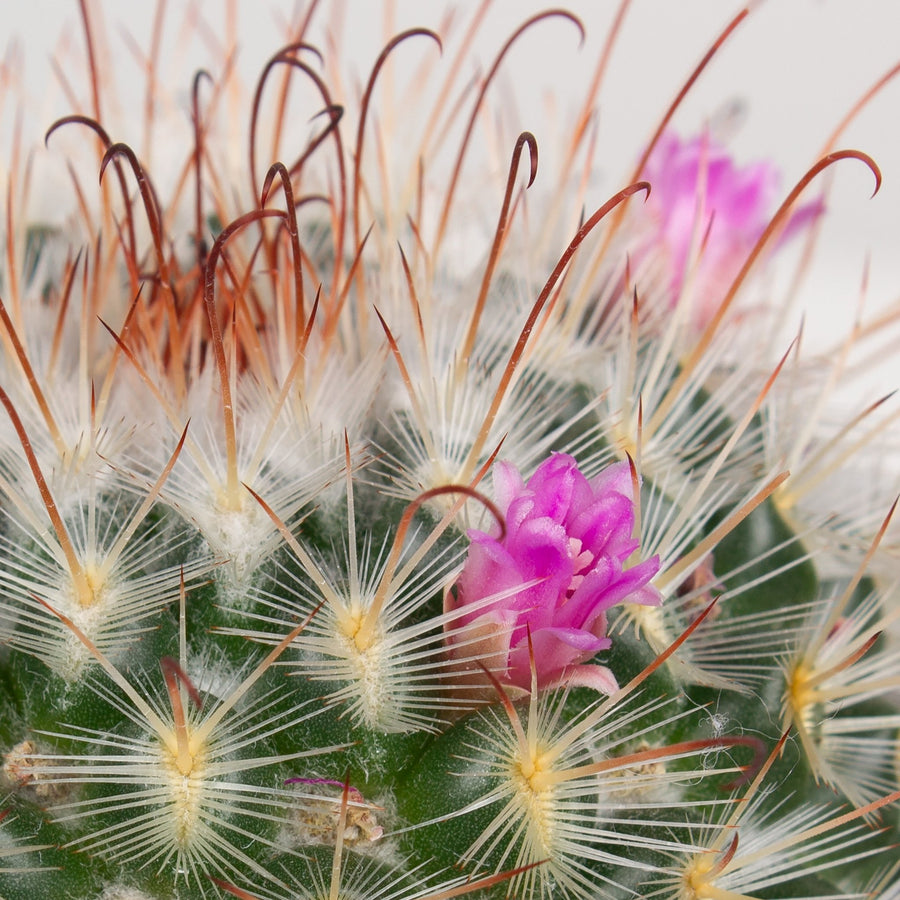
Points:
[(559, 566), (318, 822)]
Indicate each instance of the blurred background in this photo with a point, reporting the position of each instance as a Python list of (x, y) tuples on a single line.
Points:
[(776, 90)]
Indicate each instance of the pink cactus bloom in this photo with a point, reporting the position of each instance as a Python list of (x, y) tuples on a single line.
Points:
[(556, 571), (697, 178)]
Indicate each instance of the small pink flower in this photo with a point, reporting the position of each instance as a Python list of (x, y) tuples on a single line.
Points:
[(567, 539), (734, 204)]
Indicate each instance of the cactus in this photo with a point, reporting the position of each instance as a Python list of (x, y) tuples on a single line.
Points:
[(332, 569)]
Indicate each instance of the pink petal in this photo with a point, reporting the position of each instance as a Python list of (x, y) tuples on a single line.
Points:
[(554, 574), (552, 485), (555, 649), (508, 484), (597, 677)]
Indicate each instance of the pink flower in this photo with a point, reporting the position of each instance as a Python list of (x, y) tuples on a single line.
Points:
[(556, 571), (697, 178)]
